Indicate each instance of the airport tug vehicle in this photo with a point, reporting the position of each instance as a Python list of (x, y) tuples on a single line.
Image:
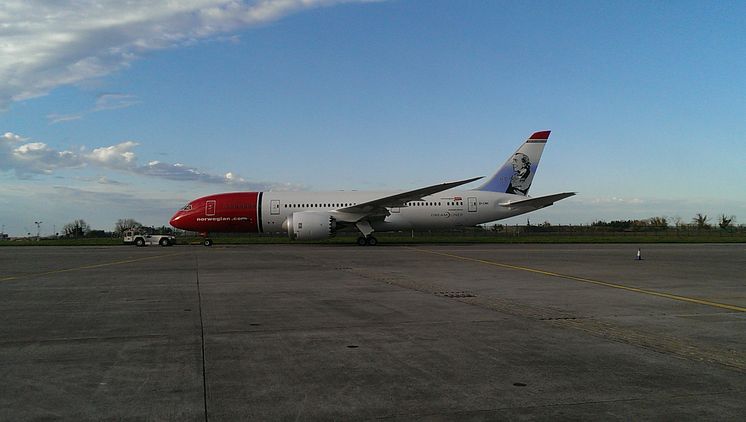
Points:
[(139, 238)]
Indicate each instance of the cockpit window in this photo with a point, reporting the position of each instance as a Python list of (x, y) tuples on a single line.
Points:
[(187, 207)]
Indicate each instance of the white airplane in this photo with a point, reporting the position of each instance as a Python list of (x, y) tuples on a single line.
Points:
[(319, 215)]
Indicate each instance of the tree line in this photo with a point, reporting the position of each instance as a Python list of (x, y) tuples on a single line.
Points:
[(699, 221), (79, 229)]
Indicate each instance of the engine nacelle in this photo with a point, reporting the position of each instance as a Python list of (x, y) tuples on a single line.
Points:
[(310, 225)]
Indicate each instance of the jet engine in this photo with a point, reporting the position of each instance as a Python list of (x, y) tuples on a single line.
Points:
[(310, 225)]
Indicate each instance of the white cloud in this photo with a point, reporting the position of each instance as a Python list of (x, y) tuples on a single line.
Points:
[(613, 200), (113, 101), (103, 180), (57, 118), (45, 44), (109, 101), (27, 158), (118, 156), (33, 157), (10, 138)]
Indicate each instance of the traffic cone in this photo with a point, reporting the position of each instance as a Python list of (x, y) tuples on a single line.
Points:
[(639, 255)]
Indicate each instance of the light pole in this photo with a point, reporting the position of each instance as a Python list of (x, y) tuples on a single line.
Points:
[(38, 229)]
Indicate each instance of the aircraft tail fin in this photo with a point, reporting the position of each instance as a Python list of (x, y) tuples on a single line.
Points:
[(516, 174)]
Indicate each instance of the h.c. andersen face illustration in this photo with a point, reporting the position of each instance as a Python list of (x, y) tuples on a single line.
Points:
[(519, 183), (520, 162)]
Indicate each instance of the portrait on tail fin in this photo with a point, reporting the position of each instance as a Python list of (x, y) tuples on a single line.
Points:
[(520, 182)]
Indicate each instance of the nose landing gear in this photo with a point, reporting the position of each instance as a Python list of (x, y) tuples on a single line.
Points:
[(206, 241)]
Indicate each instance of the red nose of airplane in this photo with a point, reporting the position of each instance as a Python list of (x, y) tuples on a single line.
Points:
[(174, 222)]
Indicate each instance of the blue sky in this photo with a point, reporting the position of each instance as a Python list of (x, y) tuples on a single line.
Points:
[(111, 112)]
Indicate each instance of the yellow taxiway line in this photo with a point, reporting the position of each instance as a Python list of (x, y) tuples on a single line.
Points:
[(86, 267), (591, 281)]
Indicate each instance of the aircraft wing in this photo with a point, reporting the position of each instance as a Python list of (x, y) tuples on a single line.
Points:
[(377, 207), (538, 202)]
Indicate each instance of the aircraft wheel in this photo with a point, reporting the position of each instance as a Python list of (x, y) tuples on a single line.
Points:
[(139, 242), (361, 241), (207, 242), (371, 241)]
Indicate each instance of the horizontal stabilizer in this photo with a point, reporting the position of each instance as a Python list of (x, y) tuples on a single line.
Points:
[(539, 202)]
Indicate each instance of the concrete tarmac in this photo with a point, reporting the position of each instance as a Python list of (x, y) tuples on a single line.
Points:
[(336, 332)]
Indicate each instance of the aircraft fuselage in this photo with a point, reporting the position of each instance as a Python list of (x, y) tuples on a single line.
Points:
[(259, 212)]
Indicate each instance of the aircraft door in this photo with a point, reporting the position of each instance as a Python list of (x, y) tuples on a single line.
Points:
[(472, 204), (274, 207), (210, 208)]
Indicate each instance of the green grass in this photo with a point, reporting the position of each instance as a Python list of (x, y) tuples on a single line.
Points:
[(541, 238), (400, 238)]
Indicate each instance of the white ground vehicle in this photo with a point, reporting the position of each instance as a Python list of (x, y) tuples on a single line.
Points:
[(142, 239)]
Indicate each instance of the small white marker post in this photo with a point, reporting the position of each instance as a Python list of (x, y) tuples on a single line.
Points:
[(639, 255)]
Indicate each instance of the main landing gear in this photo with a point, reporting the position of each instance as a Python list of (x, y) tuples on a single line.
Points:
[(367, 241), (365, 229)]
